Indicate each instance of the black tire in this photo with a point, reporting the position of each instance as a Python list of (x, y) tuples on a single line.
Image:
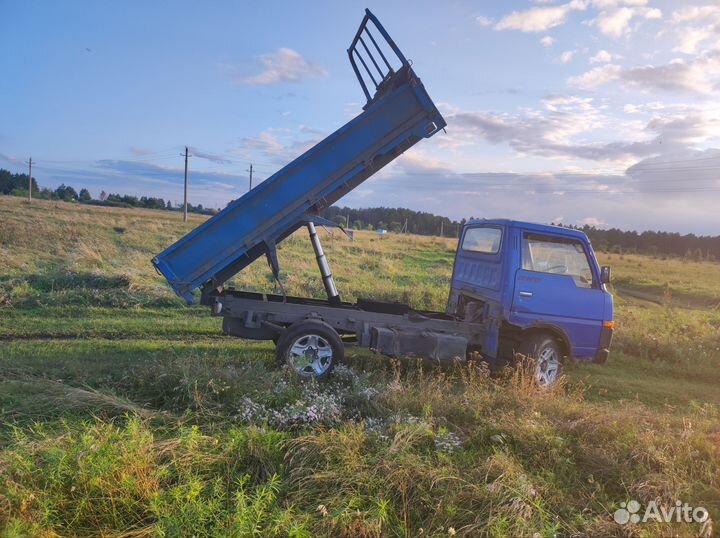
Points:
[(323, 349), (547, 353)]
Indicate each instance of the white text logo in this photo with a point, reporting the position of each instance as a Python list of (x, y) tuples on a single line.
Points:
[(680, 512)]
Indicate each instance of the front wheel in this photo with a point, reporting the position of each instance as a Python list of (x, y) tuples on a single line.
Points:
[(547, 354), (311, 348)]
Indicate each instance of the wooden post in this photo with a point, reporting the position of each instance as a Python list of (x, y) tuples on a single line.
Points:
[(30, 181), (185, 205)]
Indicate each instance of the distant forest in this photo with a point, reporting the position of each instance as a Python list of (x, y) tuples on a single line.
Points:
[(395, 220), (612, 240), (17, 184)]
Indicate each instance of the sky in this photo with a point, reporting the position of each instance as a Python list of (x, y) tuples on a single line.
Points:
[(600, 112)]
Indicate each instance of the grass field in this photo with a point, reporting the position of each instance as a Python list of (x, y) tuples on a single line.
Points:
[(124, 413)]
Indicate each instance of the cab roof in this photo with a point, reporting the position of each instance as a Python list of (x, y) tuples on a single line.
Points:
[(531, 226)]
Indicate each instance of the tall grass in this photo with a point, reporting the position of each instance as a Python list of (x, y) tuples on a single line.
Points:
[(124, 413), (438, 453)]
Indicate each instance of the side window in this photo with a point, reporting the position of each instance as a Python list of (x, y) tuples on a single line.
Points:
[(557, 256), (483, 239)]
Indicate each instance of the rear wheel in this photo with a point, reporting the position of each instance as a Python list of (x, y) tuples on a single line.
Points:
[(547, 354), (311, 348)]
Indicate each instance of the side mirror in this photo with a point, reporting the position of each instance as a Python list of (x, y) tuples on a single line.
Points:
[(605, 274)]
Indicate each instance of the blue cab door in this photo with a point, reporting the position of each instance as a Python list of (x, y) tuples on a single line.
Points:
[(557, 284)]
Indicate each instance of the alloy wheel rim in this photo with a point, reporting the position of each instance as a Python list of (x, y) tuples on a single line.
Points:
[(547, 366), (310, 355)]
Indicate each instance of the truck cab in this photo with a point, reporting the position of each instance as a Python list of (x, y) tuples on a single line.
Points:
[(532, 283)]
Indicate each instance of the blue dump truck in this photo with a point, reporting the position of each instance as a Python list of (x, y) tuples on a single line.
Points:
[(516, 287)]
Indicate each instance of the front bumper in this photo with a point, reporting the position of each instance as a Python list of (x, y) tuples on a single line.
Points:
[(603, 351)]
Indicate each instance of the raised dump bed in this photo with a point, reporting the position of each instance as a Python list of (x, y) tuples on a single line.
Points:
[(395, 117)]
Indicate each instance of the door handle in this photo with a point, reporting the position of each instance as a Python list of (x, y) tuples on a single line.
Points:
[(525, 294)]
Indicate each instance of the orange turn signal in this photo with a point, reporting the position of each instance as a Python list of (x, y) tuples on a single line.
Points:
[(609, 324)]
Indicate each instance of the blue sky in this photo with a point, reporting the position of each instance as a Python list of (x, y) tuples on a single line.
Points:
[(580, 111)]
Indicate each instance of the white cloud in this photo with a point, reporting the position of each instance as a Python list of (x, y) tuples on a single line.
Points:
[(700, 75), (540, 19), (613, 19), (564, 131), (284, 65), (547, 41), (484, 21), (596, 77), (549, 132), (568, 103), (572, 128), (656, 108), (605, 4), (567, 56), (278, 146), (690, 38), (692, 13), (266, 143), (603, 57), (650, 13), (416, 160), (616, 22)]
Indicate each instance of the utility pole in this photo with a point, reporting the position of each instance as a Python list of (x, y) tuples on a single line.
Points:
[(30, 181), (185, 205), (251, 171), (442, 222)]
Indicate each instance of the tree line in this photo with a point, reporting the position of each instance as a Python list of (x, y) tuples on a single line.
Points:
[(671, 244), (17, 185), (654, 243), (395, 219)]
